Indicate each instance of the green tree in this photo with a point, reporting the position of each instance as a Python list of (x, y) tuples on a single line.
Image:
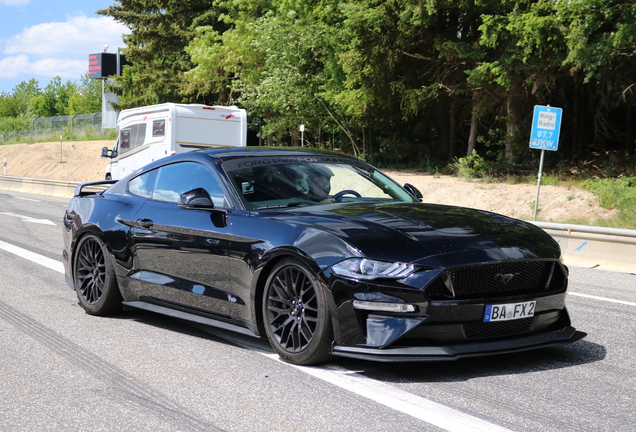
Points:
[(159, 32), (601, 41), (397, 80), (88, 97), (404, 62), (7, 105), (14, 107), (272, 61), (525, 48), (53, 100), (16, 103)]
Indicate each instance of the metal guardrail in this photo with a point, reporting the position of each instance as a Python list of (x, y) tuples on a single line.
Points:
[(589, 246), (47, 187), (581, 245)]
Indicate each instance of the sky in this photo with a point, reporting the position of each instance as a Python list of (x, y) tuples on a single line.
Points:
[(43, 39)]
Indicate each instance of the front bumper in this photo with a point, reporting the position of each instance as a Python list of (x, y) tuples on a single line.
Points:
[(449, 352)]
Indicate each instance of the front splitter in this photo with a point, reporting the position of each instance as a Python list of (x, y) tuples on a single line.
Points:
[(566, 336)]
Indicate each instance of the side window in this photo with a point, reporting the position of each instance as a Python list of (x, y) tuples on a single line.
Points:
[(159, 128), (132, 137), (173, 180), (137, 135), (142, 185), (124, 141)]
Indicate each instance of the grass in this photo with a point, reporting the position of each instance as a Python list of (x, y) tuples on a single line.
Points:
[(87, 134), (549, 180), (615, 193)]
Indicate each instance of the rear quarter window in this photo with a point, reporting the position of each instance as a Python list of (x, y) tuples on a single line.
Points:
[(142, 185)]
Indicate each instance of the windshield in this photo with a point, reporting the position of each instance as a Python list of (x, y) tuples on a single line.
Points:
[(276, 182)]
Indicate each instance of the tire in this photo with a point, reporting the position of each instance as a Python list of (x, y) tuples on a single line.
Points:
[(108, 177), (94, 277), (296, 317)]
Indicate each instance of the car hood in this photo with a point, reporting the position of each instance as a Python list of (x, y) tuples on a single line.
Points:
[(428, 234)]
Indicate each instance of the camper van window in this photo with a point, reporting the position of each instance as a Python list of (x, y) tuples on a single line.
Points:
[(137, 135), (132, 138), (159, 128), (124, 141)]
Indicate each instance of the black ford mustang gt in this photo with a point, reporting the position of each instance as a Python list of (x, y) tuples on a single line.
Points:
[(321, 252)]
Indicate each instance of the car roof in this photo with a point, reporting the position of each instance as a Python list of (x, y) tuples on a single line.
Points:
[(226, 153)]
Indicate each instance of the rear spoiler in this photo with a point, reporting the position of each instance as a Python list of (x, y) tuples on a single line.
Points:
[(93, 188)]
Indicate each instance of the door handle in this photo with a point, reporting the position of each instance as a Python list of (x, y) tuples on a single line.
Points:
[(145, 223)]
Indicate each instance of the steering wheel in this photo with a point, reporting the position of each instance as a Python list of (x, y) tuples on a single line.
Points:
[(338, 197)]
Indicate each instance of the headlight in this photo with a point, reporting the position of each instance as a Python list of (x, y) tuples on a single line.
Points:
[(366, 269)]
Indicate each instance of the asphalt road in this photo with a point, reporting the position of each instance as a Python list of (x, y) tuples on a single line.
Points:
[(63, 370)]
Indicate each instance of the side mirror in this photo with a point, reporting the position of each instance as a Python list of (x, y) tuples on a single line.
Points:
[(413, 191), (105, 152), (197, 198)]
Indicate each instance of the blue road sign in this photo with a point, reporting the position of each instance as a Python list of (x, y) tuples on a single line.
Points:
[(546, 125)]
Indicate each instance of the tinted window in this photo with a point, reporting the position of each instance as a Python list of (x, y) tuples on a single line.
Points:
[(142, 185), (173, 180), (265, 182)]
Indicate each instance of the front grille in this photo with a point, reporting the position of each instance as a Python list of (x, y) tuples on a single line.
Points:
[(498, 279), (494, 329)]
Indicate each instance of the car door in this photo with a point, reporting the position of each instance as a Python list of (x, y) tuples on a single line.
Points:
[(183, 253)]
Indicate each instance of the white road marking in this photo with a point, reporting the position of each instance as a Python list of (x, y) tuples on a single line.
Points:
[(602, 298), (32, 256), (422, 409), (29, 219), (418, 407), (26, 199)]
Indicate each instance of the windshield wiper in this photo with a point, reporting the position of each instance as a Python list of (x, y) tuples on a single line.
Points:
[(291, 204)]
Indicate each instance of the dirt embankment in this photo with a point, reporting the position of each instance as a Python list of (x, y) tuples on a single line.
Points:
[(556, 203), (81, 161)]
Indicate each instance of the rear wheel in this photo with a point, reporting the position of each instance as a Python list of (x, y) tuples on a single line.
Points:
[(95, 281), (297, 319)]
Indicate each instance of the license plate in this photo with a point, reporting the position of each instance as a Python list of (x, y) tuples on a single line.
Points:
[(511, 311)]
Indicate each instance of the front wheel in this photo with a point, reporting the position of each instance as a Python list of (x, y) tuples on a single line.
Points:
[(297, 319), (95, 280)]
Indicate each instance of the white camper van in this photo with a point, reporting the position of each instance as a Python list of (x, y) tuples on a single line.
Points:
[(149, 133)]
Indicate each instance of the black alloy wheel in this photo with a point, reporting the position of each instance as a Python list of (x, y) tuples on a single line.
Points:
[(95, 281), (297, 319)]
